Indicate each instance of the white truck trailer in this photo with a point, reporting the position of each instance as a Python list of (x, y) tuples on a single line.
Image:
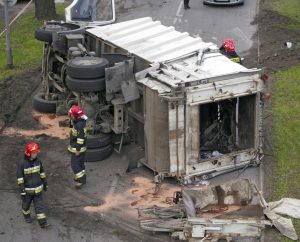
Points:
[(192, 110)]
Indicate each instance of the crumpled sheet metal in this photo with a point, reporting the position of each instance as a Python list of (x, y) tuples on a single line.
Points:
[(284, 225), (286, 206)]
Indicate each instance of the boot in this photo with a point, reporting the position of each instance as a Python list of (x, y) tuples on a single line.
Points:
[(44, 225), (78, 185), (28, 219)]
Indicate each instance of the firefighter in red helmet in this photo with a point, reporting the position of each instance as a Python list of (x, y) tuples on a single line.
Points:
[(77, 145), (228, 49), (32, 182)]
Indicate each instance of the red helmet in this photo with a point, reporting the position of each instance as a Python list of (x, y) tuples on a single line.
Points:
[(31, 148), (76, 112), (228, 45)]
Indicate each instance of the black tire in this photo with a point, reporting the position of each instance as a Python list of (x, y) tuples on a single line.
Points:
[(85, 85), (98, 140), (99, 154), (42, 105), (45, 35), (87, 67)]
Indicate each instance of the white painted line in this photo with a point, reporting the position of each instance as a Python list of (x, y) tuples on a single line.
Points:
[(178, 15), (179, 8)]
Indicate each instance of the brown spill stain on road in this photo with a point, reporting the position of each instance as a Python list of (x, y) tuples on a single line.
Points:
[(140, 193), (50, 124)]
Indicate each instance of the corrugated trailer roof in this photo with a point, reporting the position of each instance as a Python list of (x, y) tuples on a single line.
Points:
[(180, 53), (149, 39)]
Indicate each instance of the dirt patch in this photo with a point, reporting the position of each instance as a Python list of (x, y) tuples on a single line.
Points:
[(14, 92), (273, 34)]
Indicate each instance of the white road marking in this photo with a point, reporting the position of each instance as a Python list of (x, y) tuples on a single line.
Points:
[(178, 15)]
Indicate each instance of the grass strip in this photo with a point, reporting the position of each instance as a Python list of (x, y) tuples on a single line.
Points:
[(26, 50)]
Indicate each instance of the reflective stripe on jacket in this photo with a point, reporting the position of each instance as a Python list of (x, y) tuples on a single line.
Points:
[(31, 176), (78, 136)]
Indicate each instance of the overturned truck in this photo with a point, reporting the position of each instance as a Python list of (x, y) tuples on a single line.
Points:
[(192, 110)]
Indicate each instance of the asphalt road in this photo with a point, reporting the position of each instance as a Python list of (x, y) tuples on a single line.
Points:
[(212, 24)]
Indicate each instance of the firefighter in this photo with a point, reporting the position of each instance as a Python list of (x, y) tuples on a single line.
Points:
[(228, 49), (186, 4), (77, 145), (32, 182)]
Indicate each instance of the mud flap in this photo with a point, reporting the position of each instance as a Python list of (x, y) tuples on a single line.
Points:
[(120, 78)]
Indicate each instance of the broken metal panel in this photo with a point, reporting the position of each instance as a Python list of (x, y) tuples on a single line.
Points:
[(176, 138), (286, 206), (155, 85), (113, 78), (284, 225), (204, 220), (120, 78), (238, 193), (130, 90), (222, 229), (241, 216), (232, 160), (234, 229), (222, 90), (156, 131)]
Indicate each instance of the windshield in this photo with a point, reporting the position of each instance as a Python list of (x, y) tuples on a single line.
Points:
[(91, 12)]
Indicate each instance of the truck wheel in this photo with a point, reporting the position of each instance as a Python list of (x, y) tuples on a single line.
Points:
[(85, 85), (98, 140), (87, 67), (42, 105), (98, 154), (45, 33)]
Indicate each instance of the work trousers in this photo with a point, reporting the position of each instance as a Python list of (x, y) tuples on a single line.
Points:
[(186, 3), (78, 167), (37, 200)]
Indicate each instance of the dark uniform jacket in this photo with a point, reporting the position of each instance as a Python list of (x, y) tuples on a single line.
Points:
[(31, 176), (232, 55), (78, 136)]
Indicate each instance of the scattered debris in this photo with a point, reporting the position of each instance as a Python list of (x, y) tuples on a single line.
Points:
[(288, 44), (231, 210), (285, 206)]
